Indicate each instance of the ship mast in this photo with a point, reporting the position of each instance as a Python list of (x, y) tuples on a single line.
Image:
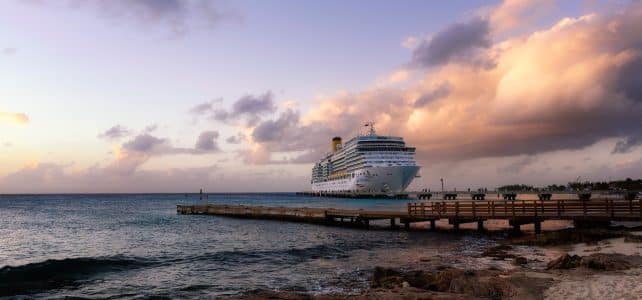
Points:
[(372, 131)]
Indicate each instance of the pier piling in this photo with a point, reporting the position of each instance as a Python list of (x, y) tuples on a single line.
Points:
[(456, 225), (538, 227), (406, 225)]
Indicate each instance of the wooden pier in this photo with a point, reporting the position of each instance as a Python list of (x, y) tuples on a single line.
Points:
[(517, 212), (474, 195)]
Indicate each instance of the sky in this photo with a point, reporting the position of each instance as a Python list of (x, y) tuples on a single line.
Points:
[(244, 96)]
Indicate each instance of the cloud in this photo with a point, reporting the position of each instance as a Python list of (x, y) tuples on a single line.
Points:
[(250, 107), (8, 51), (564, 87), (115, 133), (627, 145), (150, 128), (287, 134), (207, 142), (147, 144), (517, 14), (68, 178), (235, 139), (126, 163), (398, 76), (178, 17), (64, 178), (220, 115), (629, 78), (518, 165), (13, 118), (138, 150), (440, 91), (274, 130), (205, 107), (459, 42), (410, 42)]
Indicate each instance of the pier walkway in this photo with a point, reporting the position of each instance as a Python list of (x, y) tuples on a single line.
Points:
[(517, 212)]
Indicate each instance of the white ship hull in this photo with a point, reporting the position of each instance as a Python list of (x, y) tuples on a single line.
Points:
[(374, 179)]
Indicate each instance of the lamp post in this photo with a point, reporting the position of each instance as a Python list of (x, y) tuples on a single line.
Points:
[(442, 185)]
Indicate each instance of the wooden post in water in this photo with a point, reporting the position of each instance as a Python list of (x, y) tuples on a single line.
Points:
[(474, 212)]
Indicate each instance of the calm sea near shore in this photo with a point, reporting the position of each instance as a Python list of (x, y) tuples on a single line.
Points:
[(128, 246)]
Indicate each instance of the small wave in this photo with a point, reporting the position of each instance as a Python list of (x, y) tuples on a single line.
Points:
[(195, 287), (280, 256), (58, 273)]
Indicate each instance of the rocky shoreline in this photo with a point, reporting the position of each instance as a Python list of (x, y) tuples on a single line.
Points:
[(527, 278)]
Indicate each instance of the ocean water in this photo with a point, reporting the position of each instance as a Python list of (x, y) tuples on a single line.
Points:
[(137, 246)]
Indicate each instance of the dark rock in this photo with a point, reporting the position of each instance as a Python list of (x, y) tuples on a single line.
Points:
[(443, 279), (633, 238), (564, 262), (419, 279), (520, 261), (386, 278), (569, 236), (453, 283), (499, 252), (596, 261), (605, 262), (491, 287), (273, 295)]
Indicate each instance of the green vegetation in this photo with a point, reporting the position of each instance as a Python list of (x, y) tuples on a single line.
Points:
[(627, 184), (515, 187)]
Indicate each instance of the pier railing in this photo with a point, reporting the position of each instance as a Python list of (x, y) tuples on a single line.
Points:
[(606, 209)]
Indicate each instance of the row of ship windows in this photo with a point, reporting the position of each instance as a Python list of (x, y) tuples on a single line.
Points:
[(373, 159), (352, 154), (367, 158), (361, 164), (370, 158), (351, 175)]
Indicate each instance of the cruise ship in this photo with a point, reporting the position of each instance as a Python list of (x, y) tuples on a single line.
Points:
[(366, 163)]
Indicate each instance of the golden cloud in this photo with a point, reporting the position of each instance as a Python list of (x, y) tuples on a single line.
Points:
[(13, 118)]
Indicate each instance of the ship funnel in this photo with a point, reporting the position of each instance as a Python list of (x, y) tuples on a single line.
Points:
[(336, 143)]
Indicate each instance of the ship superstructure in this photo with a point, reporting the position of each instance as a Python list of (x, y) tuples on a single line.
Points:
[(366, 163)]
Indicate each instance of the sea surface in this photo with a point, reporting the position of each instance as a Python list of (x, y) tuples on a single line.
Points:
[(136, 246)]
